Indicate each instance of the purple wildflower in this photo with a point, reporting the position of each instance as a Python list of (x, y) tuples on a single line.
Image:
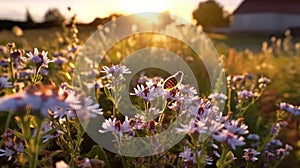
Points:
[(250, 154)]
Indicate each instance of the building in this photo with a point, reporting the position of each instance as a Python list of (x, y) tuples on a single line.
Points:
[(266, 16)]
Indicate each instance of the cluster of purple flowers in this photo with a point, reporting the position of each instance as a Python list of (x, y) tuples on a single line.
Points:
[(12, 144), (59, 100), (203, 118)]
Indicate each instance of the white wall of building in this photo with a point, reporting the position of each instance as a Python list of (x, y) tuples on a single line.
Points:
[(264, 22)]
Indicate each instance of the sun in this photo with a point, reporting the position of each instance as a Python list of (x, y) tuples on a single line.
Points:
[(140, 6)]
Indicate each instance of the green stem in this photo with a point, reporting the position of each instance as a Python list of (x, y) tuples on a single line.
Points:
[(229, 100), (12, 71), (36, 149), (277, 163), (116, 101), (244, 109), (70, 141), (8, 119), (247, 165), (221, 163), (36, 74)]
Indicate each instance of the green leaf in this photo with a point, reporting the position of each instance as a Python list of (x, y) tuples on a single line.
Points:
[(229, 158), (122, 88), (20, 135), (107, 92), (98, 152)]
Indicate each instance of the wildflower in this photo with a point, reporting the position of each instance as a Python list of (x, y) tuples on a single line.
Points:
[(199, 108), (203, 127), (40, 59), (115, 71), (77, 105), (143, 78), (188, 156), (86, 109), (230, 138), (3, 63), (39, 97), (7, 152), (274, 150), (187, 90), (254, 137), (264, 80), (142, 92), (150, 92), (25, 74), (270, 156), (274, 143), (238, 78), (17, 58), (218, 97), (116, 127), (284, 151), (152, 113), (50, 132), (215, 152), (237, 127), (290, 108), (60, 60), (13, 145), (194, 127), (44, 72), (115, 77), (187, 102), (250, 154), (245, 94), (277, 127), (4, 83), (138, 122)]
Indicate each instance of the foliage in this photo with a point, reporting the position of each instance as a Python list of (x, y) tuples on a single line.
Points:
[(29, 18), (54, 16), (210, 14)]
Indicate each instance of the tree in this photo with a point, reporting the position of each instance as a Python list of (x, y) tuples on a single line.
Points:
[(28, 17), (210, 14), (54, 16)]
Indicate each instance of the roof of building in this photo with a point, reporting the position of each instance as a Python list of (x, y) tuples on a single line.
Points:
[(263, 6)]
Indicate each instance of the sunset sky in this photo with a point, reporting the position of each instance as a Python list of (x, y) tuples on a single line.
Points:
[(87, 10)]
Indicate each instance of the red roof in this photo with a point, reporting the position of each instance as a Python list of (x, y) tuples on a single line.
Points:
[(263, 6)]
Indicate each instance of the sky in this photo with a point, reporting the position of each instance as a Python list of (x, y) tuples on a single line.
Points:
[(87, 10)]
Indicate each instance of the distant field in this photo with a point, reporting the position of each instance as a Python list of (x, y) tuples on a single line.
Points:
[(39, 37), (44, 37)]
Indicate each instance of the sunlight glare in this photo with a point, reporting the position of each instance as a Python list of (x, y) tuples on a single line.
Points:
[(139, 6)]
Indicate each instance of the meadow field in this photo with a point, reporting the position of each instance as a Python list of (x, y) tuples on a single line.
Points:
[(259, 126)]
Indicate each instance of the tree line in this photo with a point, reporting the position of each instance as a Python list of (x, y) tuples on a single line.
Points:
[(209, 14)]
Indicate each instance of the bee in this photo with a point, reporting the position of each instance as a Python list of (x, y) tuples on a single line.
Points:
[(173, 81)]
